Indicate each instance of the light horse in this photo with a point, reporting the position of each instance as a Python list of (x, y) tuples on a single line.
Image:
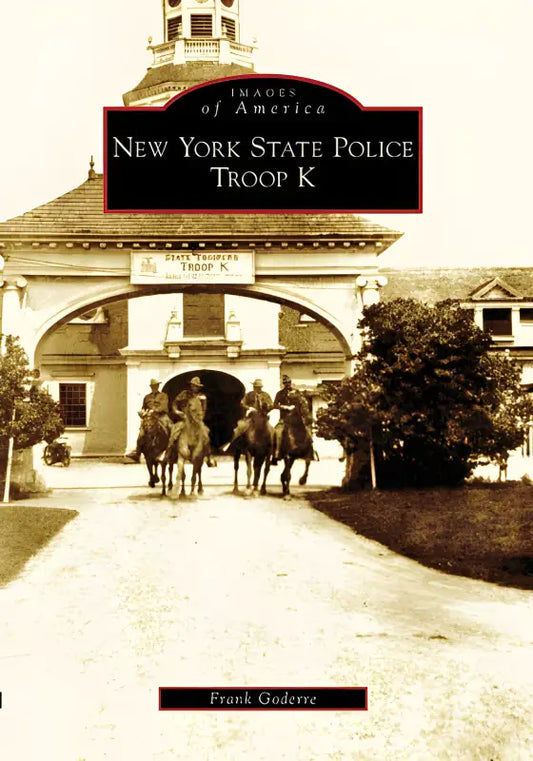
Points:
[(192, 445), (256, 446), (296, 444), (154, 443)]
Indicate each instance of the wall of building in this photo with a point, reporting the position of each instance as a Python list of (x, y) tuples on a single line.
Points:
[(148, 318)]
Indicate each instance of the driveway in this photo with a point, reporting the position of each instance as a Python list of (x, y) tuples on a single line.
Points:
[(140, 592)]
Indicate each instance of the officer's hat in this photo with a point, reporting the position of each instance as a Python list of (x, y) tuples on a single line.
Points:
[(257, 382), (285, 378), (196, 382), (155, 382)]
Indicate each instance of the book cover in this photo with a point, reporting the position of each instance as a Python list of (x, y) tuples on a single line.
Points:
[(112, 592)]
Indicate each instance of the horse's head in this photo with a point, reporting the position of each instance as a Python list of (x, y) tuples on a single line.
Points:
[(194, 410)]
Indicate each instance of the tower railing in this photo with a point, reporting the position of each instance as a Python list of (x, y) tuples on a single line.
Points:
[(209, 49)]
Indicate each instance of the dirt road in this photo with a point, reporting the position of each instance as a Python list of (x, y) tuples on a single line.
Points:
[(138, 593)]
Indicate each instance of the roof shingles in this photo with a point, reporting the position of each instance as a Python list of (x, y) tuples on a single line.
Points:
[(80, 213), (432, 285)]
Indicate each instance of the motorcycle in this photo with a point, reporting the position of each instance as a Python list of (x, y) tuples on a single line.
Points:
[(57, 451)]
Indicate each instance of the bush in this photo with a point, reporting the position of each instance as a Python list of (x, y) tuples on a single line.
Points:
[(430, 395)]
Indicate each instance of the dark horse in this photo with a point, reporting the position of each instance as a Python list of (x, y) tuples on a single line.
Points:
[(296, 444), (191, 445), (153, 446), (256, 446)]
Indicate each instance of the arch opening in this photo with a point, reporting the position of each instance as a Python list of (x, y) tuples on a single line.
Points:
[(276, 295), (224, 393)]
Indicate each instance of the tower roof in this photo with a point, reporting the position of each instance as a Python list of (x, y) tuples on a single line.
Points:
[(165, 81)]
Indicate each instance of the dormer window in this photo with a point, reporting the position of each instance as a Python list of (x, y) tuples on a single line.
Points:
[(201, 25), (174, 28)]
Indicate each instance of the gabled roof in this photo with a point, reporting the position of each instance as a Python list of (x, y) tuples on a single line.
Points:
[(497, 290), (432, 285), (79, 214)]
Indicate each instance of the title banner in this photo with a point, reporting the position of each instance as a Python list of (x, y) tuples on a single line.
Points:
[(263, 143)]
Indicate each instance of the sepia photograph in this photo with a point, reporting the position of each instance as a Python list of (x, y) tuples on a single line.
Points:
[(266, 381)]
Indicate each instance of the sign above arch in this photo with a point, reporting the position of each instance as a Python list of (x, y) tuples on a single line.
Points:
[(263, 143)]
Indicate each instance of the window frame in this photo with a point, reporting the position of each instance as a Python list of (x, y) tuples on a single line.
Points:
[(69, 423)]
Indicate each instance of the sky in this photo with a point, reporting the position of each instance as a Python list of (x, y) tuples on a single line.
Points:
[(468, 63)]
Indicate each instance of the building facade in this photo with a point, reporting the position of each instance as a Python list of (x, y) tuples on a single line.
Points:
[(98, 338)]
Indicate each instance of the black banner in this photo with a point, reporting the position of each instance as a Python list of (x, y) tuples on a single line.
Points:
[(263, 699), (263, 143)]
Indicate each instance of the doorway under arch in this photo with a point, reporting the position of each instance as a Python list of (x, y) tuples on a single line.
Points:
[(224, 393)]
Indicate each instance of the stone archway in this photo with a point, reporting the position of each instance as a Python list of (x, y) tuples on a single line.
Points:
[(224, 393)]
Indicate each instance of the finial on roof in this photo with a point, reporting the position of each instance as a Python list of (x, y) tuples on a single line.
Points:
[(91, 174)]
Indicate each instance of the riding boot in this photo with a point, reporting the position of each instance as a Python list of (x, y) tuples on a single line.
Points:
[(136, 454)]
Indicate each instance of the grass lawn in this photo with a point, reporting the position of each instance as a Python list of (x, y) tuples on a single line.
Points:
[(23, 532), (481, 531)]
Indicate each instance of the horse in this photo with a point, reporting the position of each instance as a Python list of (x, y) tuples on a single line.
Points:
[(154, 444), (191, 445), (296, 444), (256, 446)]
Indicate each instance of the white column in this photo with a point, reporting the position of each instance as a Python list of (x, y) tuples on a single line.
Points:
[(515, 323), (478, 316), (135, 385)]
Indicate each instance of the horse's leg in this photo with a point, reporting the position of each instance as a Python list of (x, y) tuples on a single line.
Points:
[(248, 457), (170, 471), (150, 466), (236, 458), (200, 485), (193, 476), (163, 478), (303, 479), (258, 464), (266, 470), (181, 477), (286, 477)]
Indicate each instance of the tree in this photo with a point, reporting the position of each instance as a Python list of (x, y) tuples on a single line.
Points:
[(430, 394), (37, 415)]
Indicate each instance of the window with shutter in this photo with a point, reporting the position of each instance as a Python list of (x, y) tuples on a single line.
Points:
[(201, 25), (228, 28), (174, 28)]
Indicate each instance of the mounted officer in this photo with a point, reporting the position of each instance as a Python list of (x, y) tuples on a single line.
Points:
[(157, 401), (255, 400), (179, 406), (286, 400)]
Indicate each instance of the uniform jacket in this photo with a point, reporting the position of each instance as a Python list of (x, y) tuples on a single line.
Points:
[(182, 399), (283, 398), (157, 401), (259, 401)]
